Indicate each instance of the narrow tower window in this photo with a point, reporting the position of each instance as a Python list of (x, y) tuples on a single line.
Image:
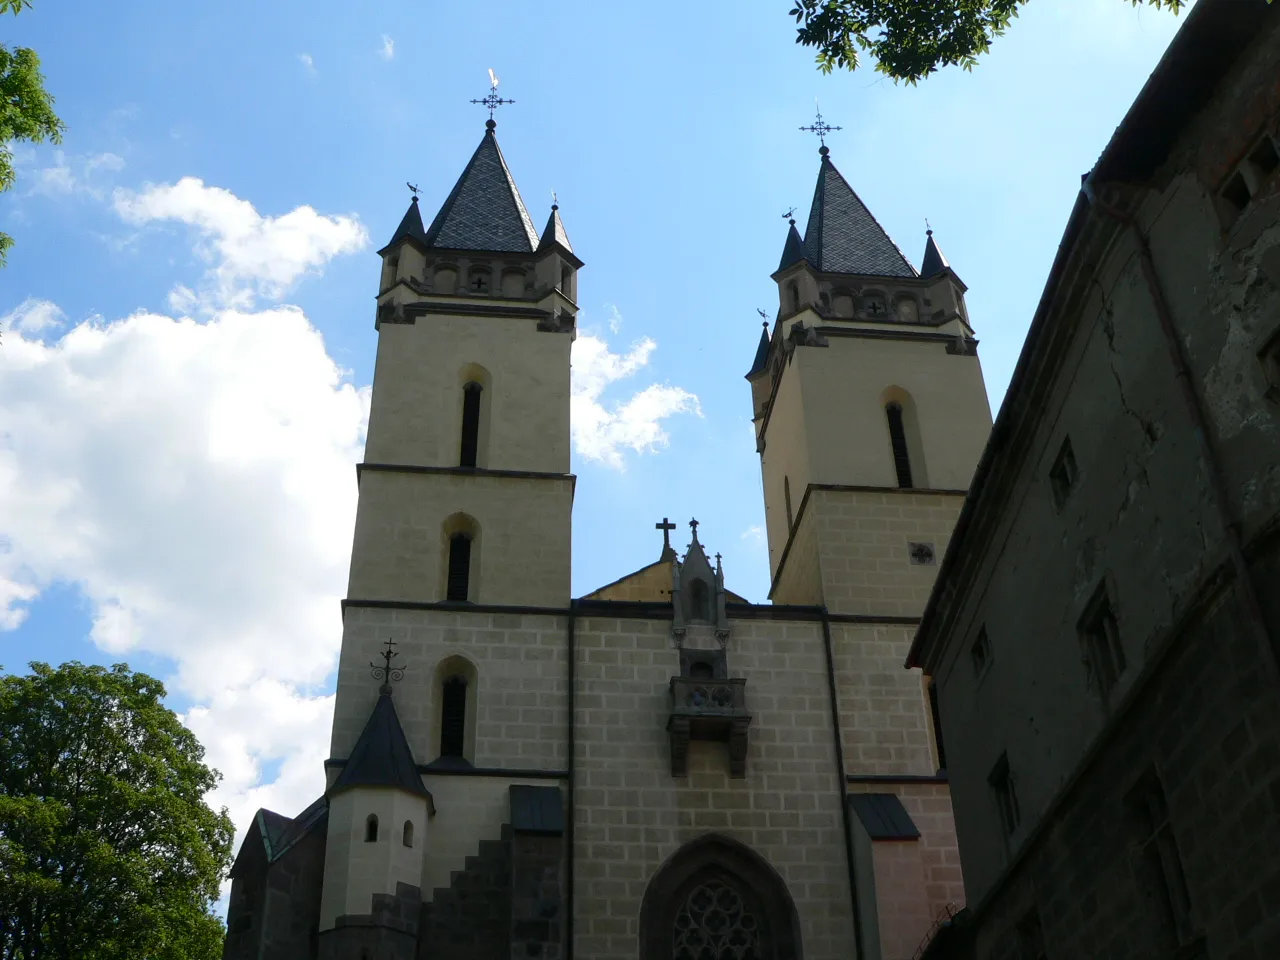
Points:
[(459, 567), (453, 716), (786, 495), (793, 292), (701, 598), (898, 437), (470, 423), (408, 833), (936, 715), (371, 829)]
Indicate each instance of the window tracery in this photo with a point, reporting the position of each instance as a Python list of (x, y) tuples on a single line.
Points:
[(714, 923)]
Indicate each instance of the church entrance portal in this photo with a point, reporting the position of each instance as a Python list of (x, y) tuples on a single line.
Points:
[(716, 899)]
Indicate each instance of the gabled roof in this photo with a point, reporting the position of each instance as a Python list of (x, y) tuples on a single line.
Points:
[(762, 352), (934, 262), (793, 251), (277, 834), (843, 237), (410, 227), (381, 757), (554, 231), (484, 210)]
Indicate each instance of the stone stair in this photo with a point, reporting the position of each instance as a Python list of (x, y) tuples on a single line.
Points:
[(471, 918)]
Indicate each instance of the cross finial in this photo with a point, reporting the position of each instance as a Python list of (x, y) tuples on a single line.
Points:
[(927, 229), (492, 100), (555, 201), (694, 525), (821, 128), (666, 526), (387, 673)]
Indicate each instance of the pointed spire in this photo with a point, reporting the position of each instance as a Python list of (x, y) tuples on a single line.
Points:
[(554, 231), (793, 251), (484, 210), (842, 236), (762, 351), (934, 260), (381, 757), (410, 227)]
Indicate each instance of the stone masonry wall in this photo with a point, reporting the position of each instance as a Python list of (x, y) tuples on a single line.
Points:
[(631, 814)]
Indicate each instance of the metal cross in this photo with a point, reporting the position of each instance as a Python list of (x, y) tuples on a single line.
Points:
[(386, 673), (820, 126), (666, 526), (492, 100)]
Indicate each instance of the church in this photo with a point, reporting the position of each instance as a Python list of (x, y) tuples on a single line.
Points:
[(659, 768)]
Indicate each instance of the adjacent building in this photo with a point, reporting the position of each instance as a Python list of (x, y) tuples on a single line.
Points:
[(1105, 629)]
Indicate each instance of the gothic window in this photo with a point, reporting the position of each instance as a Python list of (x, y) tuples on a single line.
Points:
[(371, 829), (898, 439), (471, 394), (786, 495), (715, 924), (453, 716), (1160, 863), (793, 294), (459, 578), (700, 597), (407, 836)]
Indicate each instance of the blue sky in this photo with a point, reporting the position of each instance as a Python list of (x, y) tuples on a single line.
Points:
[(188, 325)]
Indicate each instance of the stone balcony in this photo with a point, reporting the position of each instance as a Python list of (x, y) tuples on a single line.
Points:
[(703, 709)]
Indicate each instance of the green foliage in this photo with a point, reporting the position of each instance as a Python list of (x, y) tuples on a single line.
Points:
[(26, 109), (107, 848), (909, 39)]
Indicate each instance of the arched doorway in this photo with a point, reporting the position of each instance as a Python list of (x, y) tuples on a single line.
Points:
[(716, 899)]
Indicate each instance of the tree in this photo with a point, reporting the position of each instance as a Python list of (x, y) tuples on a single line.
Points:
[(910, 39), (26, 108), (107, 848)]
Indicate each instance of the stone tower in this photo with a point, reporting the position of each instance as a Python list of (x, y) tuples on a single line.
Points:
[(870, 411), (464, 509)]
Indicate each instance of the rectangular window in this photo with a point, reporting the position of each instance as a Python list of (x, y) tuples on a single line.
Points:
[(470, 424), (1063, 474), (1006, 795), (459, 568), (1160, 864), (1100, 637), (980, 653)]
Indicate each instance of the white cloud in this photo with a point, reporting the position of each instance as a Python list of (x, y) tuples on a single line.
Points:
[(33, 316), (307, 63), (67, 175), (388, 50), (615, 318), (603, 430), (249, 254), (754, 533)]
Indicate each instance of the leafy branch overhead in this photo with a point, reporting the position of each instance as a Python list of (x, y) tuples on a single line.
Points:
[(26, 108), (910, 39)]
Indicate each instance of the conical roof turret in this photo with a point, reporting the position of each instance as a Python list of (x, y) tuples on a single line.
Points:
[(554, 232), (382, 757), (934, 261), (410, 227)]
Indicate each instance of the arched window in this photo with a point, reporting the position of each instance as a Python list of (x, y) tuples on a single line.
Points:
[(701, 670), (786, 495), (459, 581), (700, 596), (453, 716), (898, 438), (793, 293), (407, 835), (371, 829), (471, 393)]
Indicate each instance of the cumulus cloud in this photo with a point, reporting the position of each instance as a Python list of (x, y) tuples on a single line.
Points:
[(194, 481), (388, 50), (307, 64), (33, 316), (249, 255), (603, 429)]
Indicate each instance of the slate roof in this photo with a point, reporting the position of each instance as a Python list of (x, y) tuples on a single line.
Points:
[(843, 237), (934, 261), (279, 833), (554, 231), (793, 251), (484, 210), (884, 816), (762, 352), (381, 757), (410, 227)]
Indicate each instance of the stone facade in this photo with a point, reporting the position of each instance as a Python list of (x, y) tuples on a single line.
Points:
[(1102, 635), (660, 767)]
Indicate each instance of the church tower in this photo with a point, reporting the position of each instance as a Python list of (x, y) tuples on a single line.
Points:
[(870, 411)]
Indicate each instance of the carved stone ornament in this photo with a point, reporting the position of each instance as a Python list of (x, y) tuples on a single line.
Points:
[(922, 554)]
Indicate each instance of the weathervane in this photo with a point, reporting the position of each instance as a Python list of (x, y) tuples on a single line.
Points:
[(820, 127), (791, 214), (387, 673), (413, 188), (492, 100), (763, 316)]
